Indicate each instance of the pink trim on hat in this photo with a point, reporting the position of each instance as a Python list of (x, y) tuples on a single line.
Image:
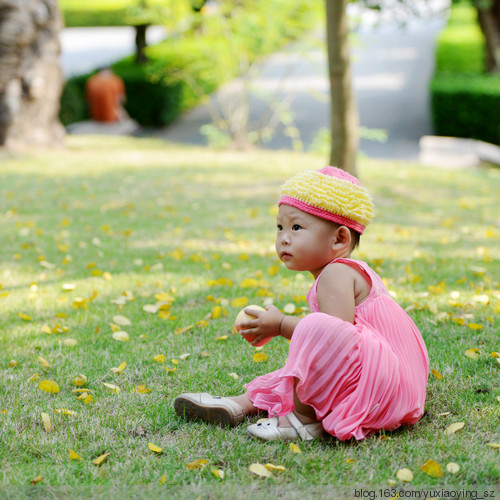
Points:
[(318, 212), (339, 174)]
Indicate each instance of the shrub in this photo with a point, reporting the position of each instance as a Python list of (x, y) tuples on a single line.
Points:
[(73, 104), (467, 106), (101, 17), (464, 99)]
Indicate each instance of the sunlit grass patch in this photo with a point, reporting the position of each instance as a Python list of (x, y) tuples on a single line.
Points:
[(118, 235)]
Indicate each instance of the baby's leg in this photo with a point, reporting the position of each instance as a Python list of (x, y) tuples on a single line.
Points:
[(244, 401), (303, 412)]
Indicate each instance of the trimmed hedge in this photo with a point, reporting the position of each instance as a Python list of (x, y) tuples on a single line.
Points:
[(78, 18), (465, 101), (467, 106)]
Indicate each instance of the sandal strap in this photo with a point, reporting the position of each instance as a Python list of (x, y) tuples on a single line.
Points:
[(299, 427), (302, 429)]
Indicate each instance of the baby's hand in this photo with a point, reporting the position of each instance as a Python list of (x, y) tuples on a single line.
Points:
[(263, 326)]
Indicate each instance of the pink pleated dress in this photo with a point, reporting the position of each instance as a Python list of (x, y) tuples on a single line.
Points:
[(360, 378)]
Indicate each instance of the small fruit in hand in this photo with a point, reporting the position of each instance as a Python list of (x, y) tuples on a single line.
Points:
[(243, 316)]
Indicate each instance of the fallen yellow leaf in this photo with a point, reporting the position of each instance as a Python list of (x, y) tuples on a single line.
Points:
[(273, 270), (197, 464), (452, 468), (184, 329), (493, 445), (154, 448), (12, 363), (70, 342), (295, 448), (80, 380), (159, 358), (44, 362), (239, 302), (121, 320), (150, 308), (46, 422), (260, 470), (99, 460), (73, 455), (114, 388), (259, 357), (249, 283), (437, 374), (472, 353), (475, 326), (142, 389), (218, 473), (114, 328), (24, 316), (405, 475), (432, 468), (121, 336), (451, 429), (119, 369), (216, 312), (48, 386), (65, 411), (272, 467), (36, 480)]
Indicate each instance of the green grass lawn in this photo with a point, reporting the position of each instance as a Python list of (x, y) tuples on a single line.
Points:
[(119, 234)]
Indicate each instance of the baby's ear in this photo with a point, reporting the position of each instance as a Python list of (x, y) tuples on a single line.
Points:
[(343, 237)]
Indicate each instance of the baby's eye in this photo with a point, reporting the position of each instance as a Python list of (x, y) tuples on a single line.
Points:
[(296, 227), (280, 227)]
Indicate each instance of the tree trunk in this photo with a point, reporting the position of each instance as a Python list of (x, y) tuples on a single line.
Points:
[(140, 43), (30, 73), (488, 14), (344, 115)]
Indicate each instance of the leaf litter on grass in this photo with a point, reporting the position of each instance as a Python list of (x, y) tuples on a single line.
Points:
[(85, 278)]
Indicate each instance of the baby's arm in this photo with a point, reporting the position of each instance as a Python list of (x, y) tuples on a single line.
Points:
[(336, 291), (269, 323)]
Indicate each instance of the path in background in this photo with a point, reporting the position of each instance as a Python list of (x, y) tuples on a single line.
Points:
[(391, 71)]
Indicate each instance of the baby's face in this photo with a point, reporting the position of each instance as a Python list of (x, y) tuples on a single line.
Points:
[(303, 241)]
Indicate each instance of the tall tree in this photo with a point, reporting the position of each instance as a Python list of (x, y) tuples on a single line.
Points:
[(344, 116), (488, 14), (343, 111), (30, 73)]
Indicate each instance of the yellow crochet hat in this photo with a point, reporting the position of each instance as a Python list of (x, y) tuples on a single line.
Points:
[(332, 194)]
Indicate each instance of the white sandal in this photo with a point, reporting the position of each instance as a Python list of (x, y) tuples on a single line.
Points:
[(210, 409), (268, 430)]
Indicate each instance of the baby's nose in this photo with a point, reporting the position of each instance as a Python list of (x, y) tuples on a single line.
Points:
[(284, 238)]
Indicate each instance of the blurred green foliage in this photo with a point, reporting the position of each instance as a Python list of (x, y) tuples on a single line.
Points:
[(465, 100), (189, 65), (81, 13)]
